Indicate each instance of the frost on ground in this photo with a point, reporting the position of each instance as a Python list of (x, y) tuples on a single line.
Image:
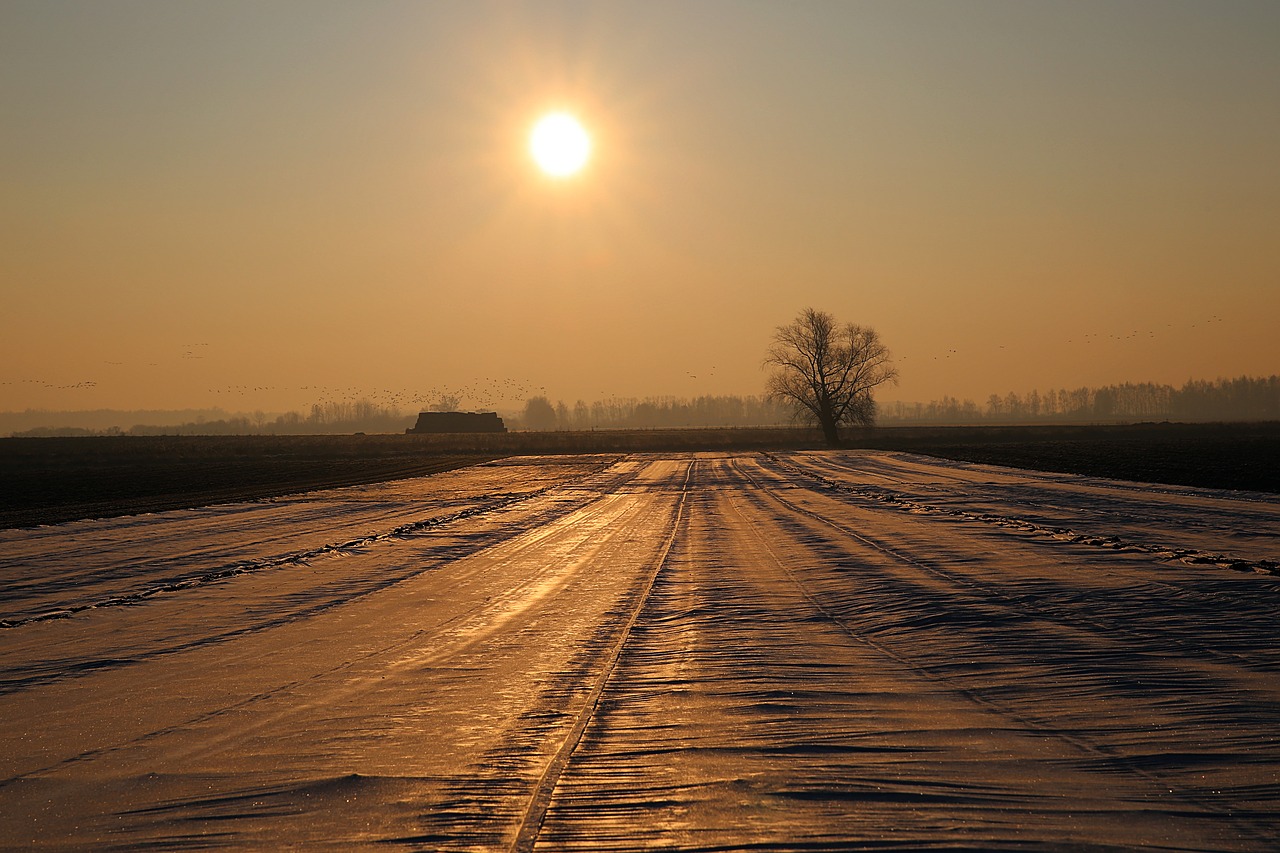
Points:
[(808, 651)]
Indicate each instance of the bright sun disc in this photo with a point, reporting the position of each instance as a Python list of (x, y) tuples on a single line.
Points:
[(559, 145)]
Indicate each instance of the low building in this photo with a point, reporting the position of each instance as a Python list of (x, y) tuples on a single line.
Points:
[(438, 422)]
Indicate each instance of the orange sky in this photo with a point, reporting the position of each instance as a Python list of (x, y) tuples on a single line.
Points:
[(202, 200)]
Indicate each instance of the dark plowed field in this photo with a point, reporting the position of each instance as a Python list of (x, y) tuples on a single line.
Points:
[(50, 480), (1211, 456)]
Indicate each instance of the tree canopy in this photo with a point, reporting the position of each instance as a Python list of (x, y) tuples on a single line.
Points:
[(827, 371)]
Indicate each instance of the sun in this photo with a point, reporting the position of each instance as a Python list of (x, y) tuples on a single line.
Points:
[(559, 145)]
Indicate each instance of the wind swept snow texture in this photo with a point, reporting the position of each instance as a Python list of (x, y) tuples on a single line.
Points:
[(793, 651)]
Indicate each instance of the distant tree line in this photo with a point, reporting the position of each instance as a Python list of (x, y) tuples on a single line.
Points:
[(329, 418), (539, 414), (651, 413), (1241, 399), (97, 421)]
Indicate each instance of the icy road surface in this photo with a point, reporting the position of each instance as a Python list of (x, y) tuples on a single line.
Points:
[(804, 651)]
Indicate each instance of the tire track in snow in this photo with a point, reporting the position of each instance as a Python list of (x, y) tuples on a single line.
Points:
[(1100, 753), (298, 558), (736, 714), (1040, 607), (1058, 616), (501, 801), (540, 799), (317, 600), (1205, 594), (423, 648), (741, 717), (1114, 543)]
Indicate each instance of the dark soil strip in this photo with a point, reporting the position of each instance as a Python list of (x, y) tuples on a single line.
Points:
[(1211, 456), (66, 482), (51, 480)]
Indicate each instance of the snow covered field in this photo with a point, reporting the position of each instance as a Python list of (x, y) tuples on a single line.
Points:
[(814, 651)]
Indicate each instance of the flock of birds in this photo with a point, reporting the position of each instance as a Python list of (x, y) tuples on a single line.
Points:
[(484, 394), (53, 386)]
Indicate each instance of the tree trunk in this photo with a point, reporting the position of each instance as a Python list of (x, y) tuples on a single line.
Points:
[(829, 430)]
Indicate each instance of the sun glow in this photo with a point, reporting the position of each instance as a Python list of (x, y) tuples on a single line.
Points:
[(559, 145)]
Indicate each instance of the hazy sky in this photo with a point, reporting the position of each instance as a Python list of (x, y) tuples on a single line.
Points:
[(200, 198)]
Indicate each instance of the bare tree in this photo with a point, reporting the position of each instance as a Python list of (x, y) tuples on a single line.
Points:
[(446, 403), (827, 372)]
